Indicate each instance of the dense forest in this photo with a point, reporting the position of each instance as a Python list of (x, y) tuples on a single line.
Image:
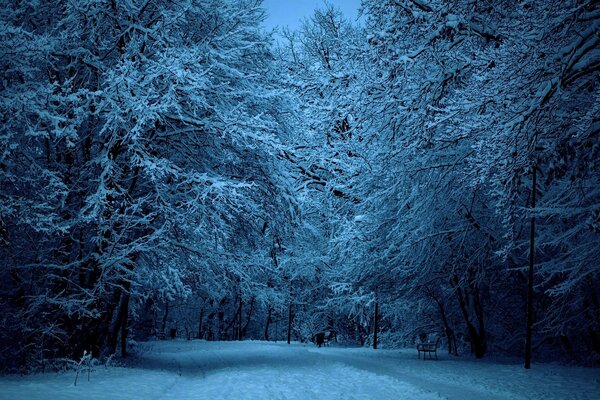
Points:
[(172, 167)]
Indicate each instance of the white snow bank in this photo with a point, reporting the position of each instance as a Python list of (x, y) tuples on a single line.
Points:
[(260, 370)]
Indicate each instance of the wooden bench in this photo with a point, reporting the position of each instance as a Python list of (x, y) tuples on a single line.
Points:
[(430, 348), (323, 338)]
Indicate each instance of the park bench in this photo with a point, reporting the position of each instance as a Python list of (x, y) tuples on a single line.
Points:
[(323, 338), (428, 348)]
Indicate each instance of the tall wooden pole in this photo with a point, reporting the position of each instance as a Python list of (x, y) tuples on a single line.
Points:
[(289, 331), (529, 330), (376, 322)]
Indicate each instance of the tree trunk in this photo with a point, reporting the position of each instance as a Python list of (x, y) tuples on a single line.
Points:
[(482, 339), (124, 326), (200, 320), (359, 334), (235, 319), (165, 316), (529, 328), (269, 312), (478, 343), (477, 338), (248, 319), (106, 326), (452, 348), (221, 319), (210, 322), (119, 320), (239, 337)]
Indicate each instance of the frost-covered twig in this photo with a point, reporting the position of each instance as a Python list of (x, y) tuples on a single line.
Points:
[(86, 361)]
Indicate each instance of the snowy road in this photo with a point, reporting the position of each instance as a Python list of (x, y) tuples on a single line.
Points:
[(259, 370)]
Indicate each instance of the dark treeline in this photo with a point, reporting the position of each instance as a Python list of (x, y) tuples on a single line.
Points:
[(170, 168)]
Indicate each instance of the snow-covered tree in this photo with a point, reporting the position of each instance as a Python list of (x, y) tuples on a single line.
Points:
[(136, 135)]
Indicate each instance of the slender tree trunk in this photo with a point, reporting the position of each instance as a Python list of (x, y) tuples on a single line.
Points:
[(108, 333), (165, 317), (124, 326), (477, 337), (117, 322), (478, 309), (200, 320), (452, 349), (359, 334), (529, 328), (245, 328), (269, 312), (210, 322), (591, 311), (375, 323), (221, 318), (239, 337), (234, 320)]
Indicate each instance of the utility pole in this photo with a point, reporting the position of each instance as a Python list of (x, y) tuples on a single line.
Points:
[(529, 328), (376, 322), (289, 331)]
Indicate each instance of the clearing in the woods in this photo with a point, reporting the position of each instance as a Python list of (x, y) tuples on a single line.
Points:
[(266, 370)]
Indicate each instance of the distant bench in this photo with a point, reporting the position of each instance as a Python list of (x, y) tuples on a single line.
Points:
[(323, 338), (428, 348)]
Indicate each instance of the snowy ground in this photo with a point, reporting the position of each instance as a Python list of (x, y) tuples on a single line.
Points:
[(261, 370)]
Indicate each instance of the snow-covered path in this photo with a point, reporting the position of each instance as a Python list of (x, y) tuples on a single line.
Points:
[(259, 370)]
